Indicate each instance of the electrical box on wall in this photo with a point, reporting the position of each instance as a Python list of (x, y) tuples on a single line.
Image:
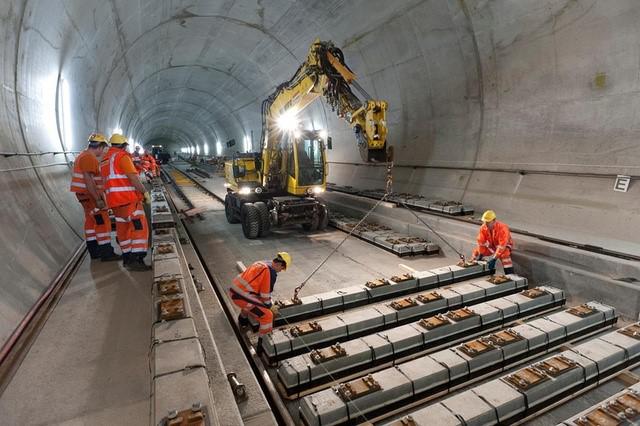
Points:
[(622, 183)]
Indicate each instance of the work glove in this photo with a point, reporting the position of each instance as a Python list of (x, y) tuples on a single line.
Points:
[(491, 263), (275, 309), (147, 198)]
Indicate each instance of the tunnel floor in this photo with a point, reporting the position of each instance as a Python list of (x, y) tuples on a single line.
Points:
[(90, 362)]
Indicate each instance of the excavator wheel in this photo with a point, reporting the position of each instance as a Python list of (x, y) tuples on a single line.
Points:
[(250, 221), (229, 212), (313, 225), (265, 222), (324, 218)]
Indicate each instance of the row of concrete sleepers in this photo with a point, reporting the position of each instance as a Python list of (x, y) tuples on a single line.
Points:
[(180, 382), (325, 364), (454, 208), (425, 375), (287, 341), (516, 395), (376, 290)]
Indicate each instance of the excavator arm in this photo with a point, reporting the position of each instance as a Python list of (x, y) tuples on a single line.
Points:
[(324, 73)]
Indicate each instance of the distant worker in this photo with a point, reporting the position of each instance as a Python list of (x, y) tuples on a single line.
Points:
[(86, 182), (251, 291), (150, 164), (137, 162), (494, 242), (125, 194)]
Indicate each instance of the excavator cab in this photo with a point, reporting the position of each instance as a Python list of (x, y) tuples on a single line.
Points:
[(242, 172), (306, 162)]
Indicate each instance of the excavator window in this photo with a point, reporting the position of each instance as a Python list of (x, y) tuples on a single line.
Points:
[(310, 162), (291, 162)]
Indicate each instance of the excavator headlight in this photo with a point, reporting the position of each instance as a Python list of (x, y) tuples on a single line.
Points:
[(324, 134), (244, 190), (317, 190), (288, 121), (258, 190)]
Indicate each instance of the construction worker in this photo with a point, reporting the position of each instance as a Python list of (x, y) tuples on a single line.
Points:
[(494, 242), (137, 162), (151, 162), (251, 291), (86, 182), (125, 194)]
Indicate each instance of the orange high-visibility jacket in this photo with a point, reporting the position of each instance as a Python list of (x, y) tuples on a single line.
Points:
[(254, 284), (152, 166), (78, 185), (118, 187), (497, 241)]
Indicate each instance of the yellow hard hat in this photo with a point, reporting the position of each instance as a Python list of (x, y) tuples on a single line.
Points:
[(488, 216), (97, 138), (286, 258), (118, 139)]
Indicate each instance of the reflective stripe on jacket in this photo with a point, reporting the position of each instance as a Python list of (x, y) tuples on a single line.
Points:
[(78, 185), (497, 241), (118, 187)]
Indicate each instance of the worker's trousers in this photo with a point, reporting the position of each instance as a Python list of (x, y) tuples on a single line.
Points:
[(262, 314), (97, 228), (132, 230)]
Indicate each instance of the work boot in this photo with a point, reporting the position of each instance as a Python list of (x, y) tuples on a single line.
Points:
[(137, 264), (259, 348), (243, 322), (126, 258), (107, 254), (94, 249)]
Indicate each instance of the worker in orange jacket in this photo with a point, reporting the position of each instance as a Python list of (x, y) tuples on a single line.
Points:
[(137, 162), (494, 242), (251, 292), (86, 183), (151, 164), (125, 195)]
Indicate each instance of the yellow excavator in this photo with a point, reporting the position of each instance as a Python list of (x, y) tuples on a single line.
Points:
[(278, 186)]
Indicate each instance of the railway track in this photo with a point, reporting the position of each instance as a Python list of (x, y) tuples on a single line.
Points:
[(362, 354)]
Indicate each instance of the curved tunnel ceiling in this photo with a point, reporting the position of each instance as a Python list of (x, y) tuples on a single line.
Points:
[(193, 51)]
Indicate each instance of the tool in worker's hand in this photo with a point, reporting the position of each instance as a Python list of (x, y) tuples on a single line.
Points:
[(275, 309)]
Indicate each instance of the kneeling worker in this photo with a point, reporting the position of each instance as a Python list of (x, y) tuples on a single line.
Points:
[(251, 291), (494, 242)]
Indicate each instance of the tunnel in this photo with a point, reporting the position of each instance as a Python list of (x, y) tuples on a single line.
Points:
[(526, 108)]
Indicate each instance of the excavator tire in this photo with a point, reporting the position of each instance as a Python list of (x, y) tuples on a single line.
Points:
[(324, 218), (313, 225), (250, 221), (265, 222), (229, 212)]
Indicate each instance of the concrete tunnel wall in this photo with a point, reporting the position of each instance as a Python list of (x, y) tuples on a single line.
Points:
[(535, 85)]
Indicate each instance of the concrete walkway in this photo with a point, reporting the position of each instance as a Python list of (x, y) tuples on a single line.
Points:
[(89, 365)]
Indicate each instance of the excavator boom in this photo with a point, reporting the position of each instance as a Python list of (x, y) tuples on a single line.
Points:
[(324, 73)]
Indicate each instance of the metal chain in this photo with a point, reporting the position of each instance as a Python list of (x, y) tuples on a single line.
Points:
[(388, 189)]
